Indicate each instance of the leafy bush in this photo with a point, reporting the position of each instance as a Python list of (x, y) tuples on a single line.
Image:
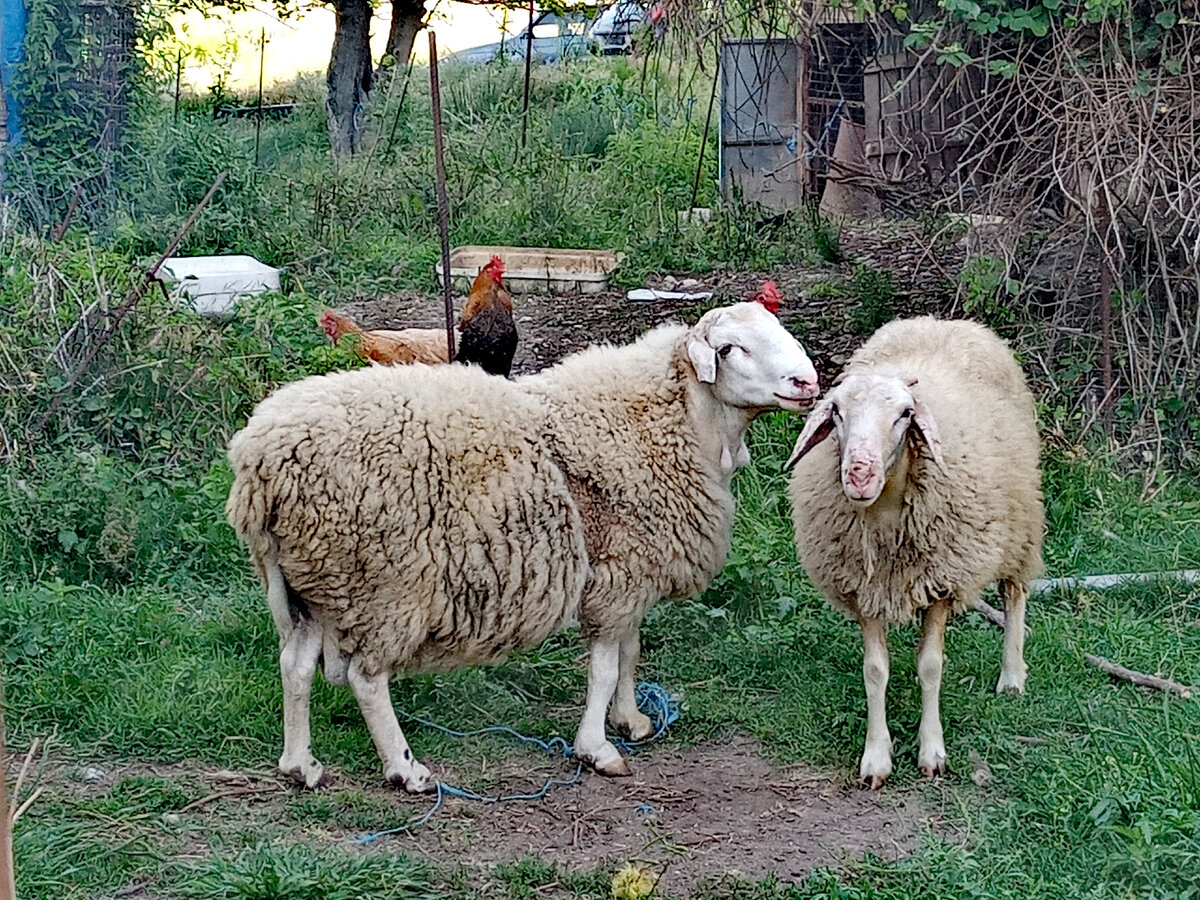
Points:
[(128, 473), (987, 291), (876, 292)]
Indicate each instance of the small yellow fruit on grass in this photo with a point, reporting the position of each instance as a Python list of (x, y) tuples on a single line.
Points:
[(634, 882)]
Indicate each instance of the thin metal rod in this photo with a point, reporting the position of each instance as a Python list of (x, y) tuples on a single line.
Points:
[(1106, 372), (178, 78), (262, 56), (712, 97), (528, 66), (439, 158)]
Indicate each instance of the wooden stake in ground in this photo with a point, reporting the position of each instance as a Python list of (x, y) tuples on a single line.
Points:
[(262, 60), (439, 159), (8, 885), (1141, 679), (528, 64)]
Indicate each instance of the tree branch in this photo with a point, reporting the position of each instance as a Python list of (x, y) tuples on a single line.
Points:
[(1141, 679)]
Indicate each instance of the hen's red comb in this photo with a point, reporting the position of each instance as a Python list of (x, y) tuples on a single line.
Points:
[(495, 267), (328, 323), (768, 295)]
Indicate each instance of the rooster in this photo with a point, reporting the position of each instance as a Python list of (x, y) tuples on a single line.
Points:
[(489, 334), (408, 345), (768, 295)]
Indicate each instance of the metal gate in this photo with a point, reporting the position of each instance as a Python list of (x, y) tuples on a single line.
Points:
[(762, 149)]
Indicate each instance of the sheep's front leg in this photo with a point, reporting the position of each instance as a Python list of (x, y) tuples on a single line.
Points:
[(625, 717), (375, 701), (930, 656), (591, 744), (297, 665), (1013, 670), (876, 763)]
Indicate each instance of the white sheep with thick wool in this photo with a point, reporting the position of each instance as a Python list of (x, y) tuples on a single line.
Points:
[(929, 492), (414, 518)]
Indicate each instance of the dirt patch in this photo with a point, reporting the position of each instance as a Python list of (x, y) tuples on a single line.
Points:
[(698, 815), (550, 325), (814, 308)]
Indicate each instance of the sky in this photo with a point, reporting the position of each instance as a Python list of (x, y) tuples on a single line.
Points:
[(231, 40)]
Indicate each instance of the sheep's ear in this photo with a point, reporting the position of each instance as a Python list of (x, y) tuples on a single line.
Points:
[(927, 429), (703, 357), (817, 427)]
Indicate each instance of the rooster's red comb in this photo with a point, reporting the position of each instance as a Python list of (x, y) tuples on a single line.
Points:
[(495, 267), (768, 295)]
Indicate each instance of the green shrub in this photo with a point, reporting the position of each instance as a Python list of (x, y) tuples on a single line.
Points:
[(127, 475), (986, 290), (876, 292)]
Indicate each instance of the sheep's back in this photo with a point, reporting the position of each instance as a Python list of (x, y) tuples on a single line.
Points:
[(658, 515), (957, 531), (416, 511)]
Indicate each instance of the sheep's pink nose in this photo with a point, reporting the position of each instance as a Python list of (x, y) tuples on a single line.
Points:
[(805, 385), (860, 475)]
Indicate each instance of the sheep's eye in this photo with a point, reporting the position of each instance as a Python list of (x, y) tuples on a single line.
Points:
[(724, 351)]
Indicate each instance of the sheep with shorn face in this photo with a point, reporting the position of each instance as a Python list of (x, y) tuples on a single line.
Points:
[(417, 518), (928, 491)]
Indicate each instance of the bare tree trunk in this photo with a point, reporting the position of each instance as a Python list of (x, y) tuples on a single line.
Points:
[(349, 79), (408, 18)]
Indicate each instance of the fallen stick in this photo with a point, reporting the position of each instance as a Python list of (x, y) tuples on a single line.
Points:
[(989, 612), (20, 810), (246, 791), (133, 889), (1141, 679), (1101, 582), (57, 232), (13, 808)]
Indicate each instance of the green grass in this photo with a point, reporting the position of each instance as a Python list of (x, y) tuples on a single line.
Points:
[(133, 635), (1096, 787)]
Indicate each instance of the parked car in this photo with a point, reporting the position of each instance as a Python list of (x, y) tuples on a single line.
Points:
[(614, 29), (555, 36)]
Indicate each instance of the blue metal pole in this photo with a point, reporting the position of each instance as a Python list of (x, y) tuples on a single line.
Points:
[(12, 52)]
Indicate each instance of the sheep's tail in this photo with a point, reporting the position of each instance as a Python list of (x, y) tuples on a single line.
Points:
[(248, 510), (277, 600)]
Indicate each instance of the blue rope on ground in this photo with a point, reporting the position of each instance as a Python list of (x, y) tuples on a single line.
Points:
[(652, 699), (660, 705)]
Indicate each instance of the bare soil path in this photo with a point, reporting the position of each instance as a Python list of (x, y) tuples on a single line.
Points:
[(698, 816)]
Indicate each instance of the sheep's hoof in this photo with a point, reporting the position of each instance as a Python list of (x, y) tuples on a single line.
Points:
[(1011, 683), (606, 761), (637, 727), (934, 769), (618, 769), (416, 779), (311, 775), (876, 765), (932, 759)]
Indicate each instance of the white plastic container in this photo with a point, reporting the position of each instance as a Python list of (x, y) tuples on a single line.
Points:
[(529, 270), (212, 285)]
